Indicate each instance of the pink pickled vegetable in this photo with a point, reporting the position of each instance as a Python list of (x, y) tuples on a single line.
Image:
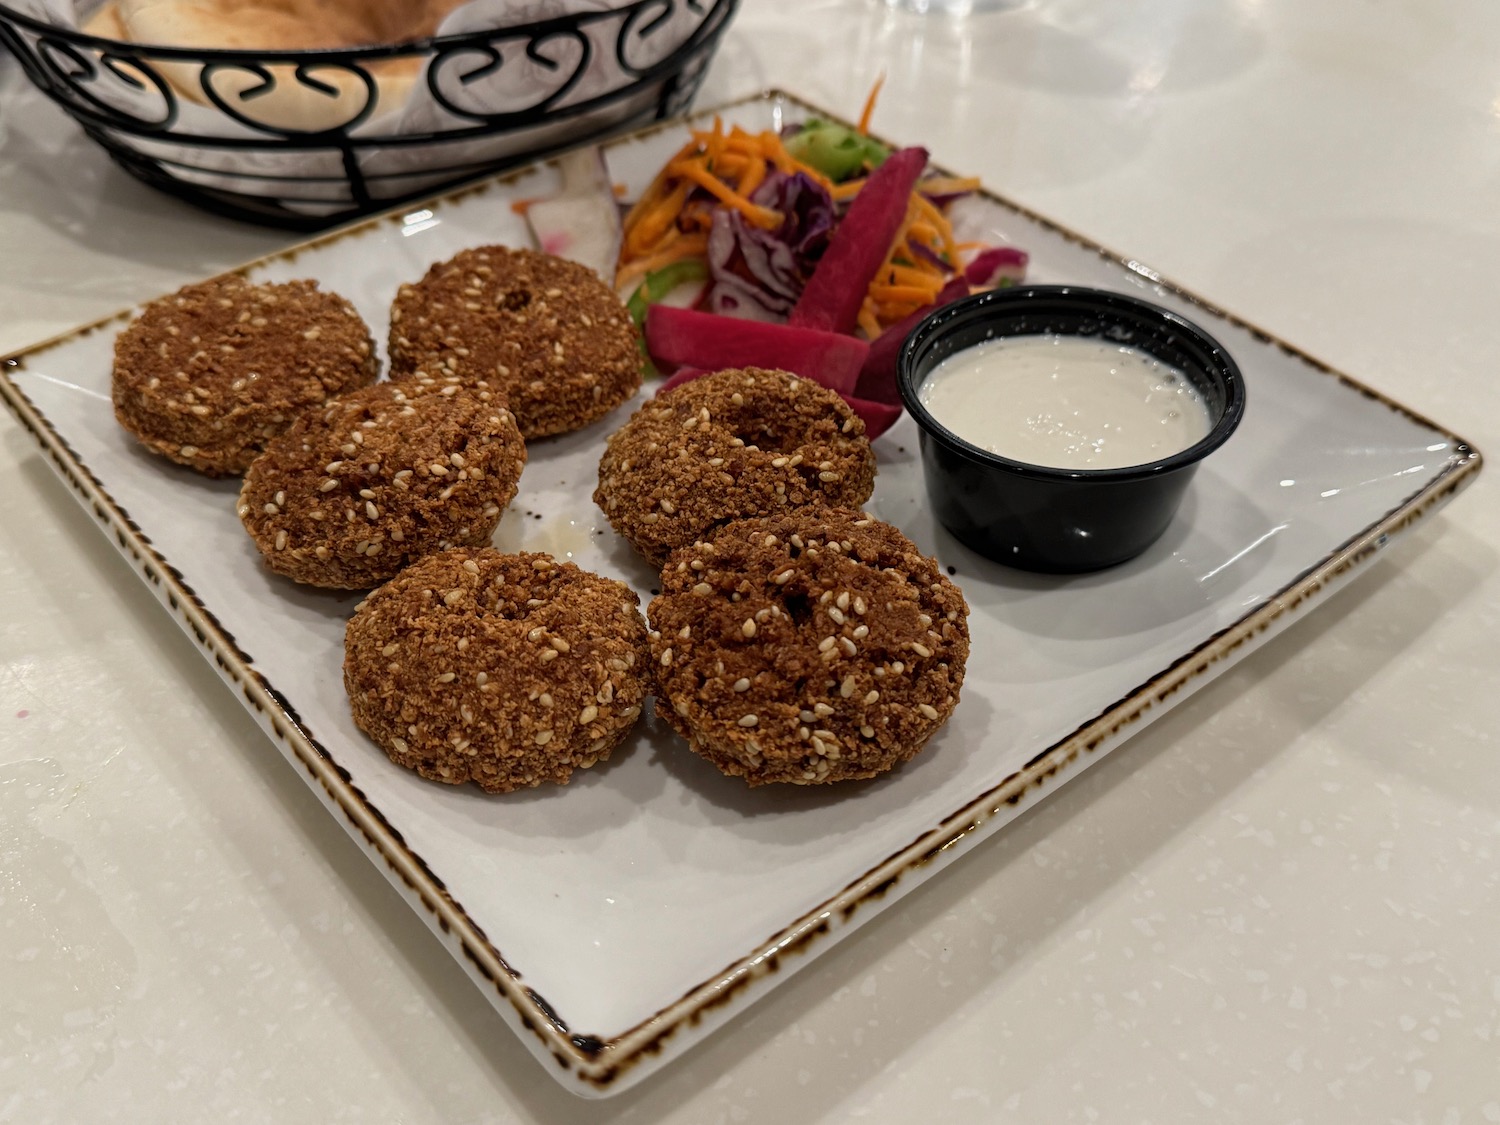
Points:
[(680, 376), (877, 379), (686, 337), (833, 295), (877, 416), (996, 266)]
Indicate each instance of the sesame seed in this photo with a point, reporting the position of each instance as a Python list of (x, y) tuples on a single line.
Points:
[(898, 666), (920, 649), (806, 716), (468, 715), (871, 697), (666, 657), (859, 606), (588, 715), (607, 692), (742, 684), (541, 564), (447, 677), (867, 732), (399, 744), (822, 710), (542, 737), (849, 647), (928, 709), (270, 509), (835, 616), (481, 678), (749, 720), (547, 654), (826, 643), (828, 477), (471, 566), (438, 470), (778, 462), (748, 628), (364, 494), (668, 507), (703, 589), (846, 689), (328, 486), (861, 632), (559, 644), (281, 540), (545, 699), (371, 510), (453, 597)]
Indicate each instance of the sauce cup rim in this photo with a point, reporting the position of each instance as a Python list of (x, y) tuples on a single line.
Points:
[(1015, 300)]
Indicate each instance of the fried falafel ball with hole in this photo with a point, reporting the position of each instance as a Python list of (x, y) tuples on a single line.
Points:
[(545, 332), (807, 647), (730, 445)]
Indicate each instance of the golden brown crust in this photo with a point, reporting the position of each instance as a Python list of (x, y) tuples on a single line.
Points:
[(379, 478), (808, 647), (209, 375), (734, 444), (503, 670), (546, 332)]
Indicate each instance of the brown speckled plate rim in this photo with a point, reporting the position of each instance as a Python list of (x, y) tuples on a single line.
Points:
[(602, 1066)]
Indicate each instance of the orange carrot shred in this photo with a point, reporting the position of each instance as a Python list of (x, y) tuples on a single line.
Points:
[(869, 110)]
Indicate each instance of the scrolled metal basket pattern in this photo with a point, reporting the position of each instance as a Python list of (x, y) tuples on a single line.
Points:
[(303, 139)]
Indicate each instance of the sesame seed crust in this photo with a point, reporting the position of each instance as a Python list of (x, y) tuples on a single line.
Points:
[(379, 478), (808, 647), (207, 376), (731, 445), (447, 668), (546, 332)]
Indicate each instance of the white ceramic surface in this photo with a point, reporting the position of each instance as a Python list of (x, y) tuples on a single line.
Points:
[(653, 898), (1276, 904)]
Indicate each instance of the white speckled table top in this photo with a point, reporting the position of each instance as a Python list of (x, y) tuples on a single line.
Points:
[(1278, 903)]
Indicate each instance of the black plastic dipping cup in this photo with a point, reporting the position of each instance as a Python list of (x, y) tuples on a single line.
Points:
[(1062, 520)]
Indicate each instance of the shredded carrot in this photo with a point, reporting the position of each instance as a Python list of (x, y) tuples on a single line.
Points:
[(689, 246), (914, 294), (869, 110), (935, 217), (847, 190), (754, 176), (868, 321), (948, 185), (924, 278), (652, 226), (698, 174)]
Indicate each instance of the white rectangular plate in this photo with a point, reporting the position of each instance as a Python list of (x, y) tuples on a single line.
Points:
[(615, 921)]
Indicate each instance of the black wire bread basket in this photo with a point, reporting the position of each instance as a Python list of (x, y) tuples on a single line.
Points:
[(303, 139)]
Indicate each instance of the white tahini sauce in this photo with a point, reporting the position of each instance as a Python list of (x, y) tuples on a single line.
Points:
[(1066, 402)]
